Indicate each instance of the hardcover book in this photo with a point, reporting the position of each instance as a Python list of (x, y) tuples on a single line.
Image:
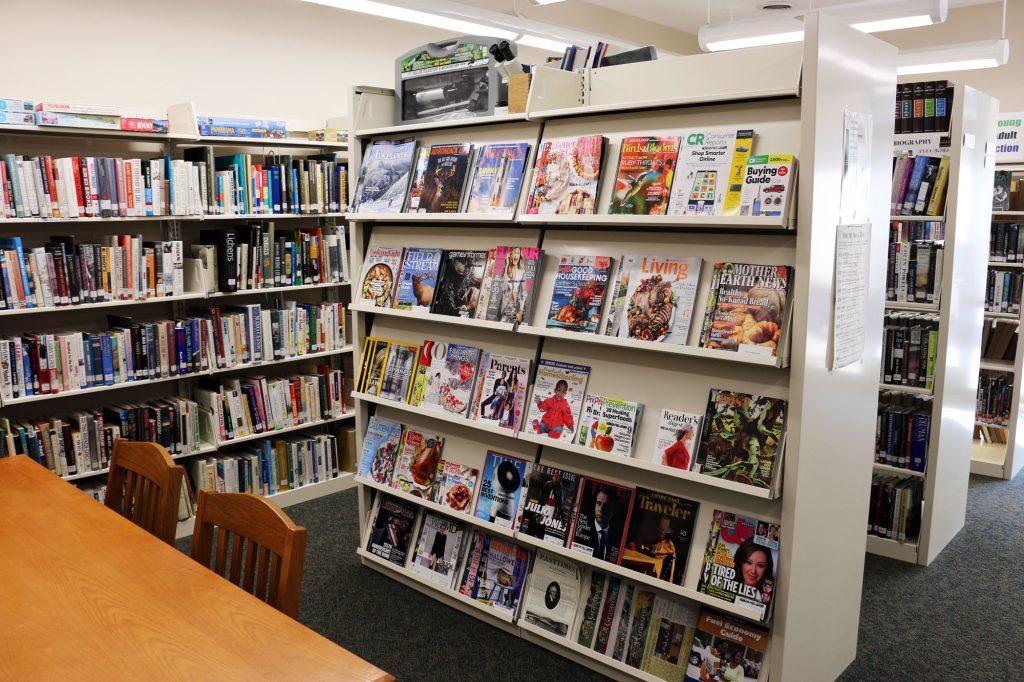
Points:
[(566, 175), (654, 298), (766, 184), (445, 178), (417, 463), (705, 171), (380, 275), (381, 446), (549, 508), (391, 527), (602, 516), (497, 178), (554, 593), (609, 424), (746, 308), (659, 535), (384, 176), (461, 278), (580, 284), (676, 442), (454, 485), (454, 380), (741, 561), (418, 279), (647, 166), (513, 278), (500, 394), (720, 642), (501, 487), (438, 549), (557, 399)]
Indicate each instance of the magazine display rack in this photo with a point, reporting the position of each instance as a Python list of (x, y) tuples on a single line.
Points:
[(59, 142), (947, 467), (1004, 460), (795, 100)]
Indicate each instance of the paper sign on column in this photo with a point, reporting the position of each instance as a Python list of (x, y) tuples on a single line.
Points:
[(850, 288), (856, 179)]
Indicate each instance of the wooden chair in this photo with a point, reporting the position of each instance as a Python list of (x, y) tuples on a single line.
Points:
[(144, 486), (267, 550)]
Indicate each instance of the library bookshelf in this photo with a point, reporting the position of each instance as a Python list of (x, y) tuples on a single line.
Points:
[(954, 392), (795, 106), (61, 142)]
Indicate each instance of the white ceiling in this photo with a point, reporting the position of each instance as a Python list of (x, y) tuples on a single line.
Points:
[(688, 15)]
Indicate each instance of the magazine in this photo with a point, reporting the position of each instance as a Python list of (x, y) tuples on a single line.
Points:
[(722, 643), (602, 516), (391, 528), (453, 379), (438, 549), (500, 394), (372, 377), (384, 176), (743, 438), (485, 286), (566, 175), (609, 424), (418, 279), (606, 615), (669, 638), (557, 399), (381, 446), (647, 166), (498, 177), (419, 173), (501, 578), (746, 308), (623, 267), (380, 274), (427, 382), (454, 485), (399, 369), (657, 301), (619, 633), (590, 608), (550, 504), (580, 283), (501, 488), (704, 171), (554, 593), (458, 289), (766, 185), (417, 463), (639, 627), (445, 178), (741, 561), (513, 279), (676, 441), (659, 535)]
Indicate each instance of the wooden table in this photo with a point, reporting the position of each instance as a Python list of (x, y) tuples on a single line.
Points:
[(87, 595)]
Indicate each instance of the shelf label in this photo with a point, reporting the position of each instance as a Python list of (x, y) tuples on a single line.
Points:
[(1010, 136)]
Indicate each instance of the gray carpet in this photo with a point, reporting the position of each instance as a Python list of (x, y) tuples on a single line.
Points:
[(956, 619)]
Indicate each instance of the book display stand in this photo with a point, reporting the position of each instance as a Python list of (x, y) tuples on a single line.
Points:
[(795, 98), (198, 285)]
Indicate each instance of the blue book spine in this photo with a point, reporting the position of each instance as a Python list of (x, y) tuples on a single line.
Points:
[(196, 344), (275, 188), (171, 189), (919, 441), (295, 191), (274, 476), (183, 354), (7, 280), (31, 382), (916, 175), (90, 369), (107, 355), (14, 243), (256, 342)]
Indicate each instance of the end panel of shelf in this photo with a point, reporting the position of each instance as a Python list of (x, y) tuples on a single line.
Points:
[(901, 551)]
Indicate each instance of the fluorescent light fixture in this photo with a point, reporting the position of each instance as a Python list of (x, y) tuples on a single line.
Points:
[(436, 20), (544, 2), (869, 16), (985, 54)]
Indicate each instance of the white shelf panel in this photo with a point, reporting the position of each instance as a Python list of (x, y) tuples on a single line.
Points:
[(1004, 264), (260, 216), (903, 551), (440, 125), (656, 221), (904, 389), (897, 470), (912, 307), (665, 103), (693, 477), (227, 141), (100, 306), (439, 218), (1008, 214), (532, 632), (440, 416), (993, 426), (990, 469), (998, 365), (203, 449), (918, 218), (169, 218), (86, 221), (633, 344), (283, 361), (6, 128), (431, 317), (278, 290), (465, 517), (1002, 316), (350, 414)]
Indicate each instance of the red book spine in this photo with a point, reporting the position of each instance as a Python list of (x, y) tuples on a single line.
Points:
[(294, 390), (85, 188), (6, 194), (218, 337), (51, 182), (77, 166)]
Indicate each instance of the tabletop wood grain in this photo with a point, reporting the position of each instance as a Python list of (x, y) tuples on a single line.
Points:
[(88, 595)]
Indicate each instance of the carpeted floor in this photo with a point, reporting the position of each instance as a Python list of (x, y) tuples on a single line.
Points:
[(956, 619)]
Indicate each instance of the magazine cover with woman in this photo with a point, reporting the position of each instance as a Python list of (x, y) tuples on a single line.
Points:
[(500, 394), (741, 561), (514, 274), (438, 549)]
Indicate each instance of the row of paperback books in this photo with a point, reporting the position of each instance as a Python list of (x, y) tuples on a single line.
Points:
[(903, 430), (699, 172), (83, 441), (199, 184), (924, 107), (1003, 291), (895, 508), (1006, 244), (914, 272), (252, 405), (909, 346), (919, 185), (987, 434), (995, 394)]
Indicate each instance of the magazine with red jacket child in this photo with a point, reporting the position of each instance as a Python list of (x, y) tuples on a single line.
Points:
[(557, 399)]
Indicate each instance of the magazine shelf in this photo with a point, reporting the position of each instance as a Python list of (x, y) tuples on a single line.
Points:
[(676, 222), (897, 470), (431, 317), (385, 113), (439, 218), (567, 647), (461, 420)]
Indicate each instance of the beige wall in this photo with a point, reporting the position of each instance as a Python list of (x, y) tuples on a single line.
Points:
[(273, 58)]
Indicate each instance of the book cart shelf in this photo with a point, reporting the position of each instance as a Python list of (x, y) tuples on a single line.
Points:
[(58, 142), (959, 319), (1003, 460), (795, 100)]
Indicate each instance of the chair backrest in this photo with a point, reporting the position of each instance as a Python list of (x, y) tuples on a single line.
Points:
[(144, 486), (258, 548)]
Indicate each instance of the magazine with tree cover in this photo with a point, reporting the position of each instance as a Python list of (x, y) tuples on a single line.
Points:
[(417, 463), (497, 177), (704, 171), (647, 166), (381, 446), (553, 594), (438, 549), (566, 176), (399, 371), (659, 536), (514, 276), (391, 527), (418, 279), (501, 488), (550, 504), (380, 276), (445, 178), (495, 572), (609, 424), (657, 299), (384, 176), (458, 289), (746, 308), (639, 627), (454, 380), (743, 438), (766, 183), (669, 638), (602, 515), (590, 607), (557, 399), (741, 561), (675, 444), (579, 289), (419, 174), (500, 394), (726, 647), (454, 485)]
